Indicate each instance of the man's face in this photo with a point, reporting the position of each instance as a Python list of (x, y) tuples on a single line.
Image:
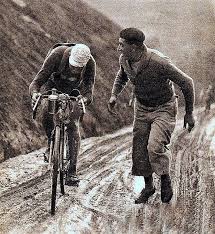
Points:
[(125, 49), (75, 70)]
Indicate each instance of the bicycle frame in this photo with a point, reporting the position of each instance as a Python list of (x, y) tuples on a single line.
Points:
[(59, 105)]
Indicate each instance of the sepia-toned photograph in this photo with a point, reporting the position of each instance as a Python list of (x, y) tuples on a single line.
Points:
[(107, 117)]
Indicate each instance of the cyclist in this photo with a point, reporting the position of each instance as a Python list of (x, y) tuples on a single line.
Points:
[(152, 75), (66, 67)]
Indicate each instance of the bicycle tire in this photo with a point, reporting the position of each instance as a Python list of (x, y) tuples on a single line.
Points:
[(62, 171), (55, 160)]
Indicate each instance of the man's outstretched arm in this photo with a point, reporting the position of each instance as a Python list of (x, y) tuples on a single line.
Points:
[(119, 84), (187, 87)]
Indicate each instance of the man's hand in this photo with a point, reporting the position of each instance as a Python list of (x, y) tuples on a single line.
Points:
[(189, 120), (34, 98), (111, 104)]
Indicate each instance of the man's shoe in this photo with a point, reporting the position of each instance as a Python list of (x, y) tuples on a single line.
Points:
[(72, 180), (166, 189), (144, 195)]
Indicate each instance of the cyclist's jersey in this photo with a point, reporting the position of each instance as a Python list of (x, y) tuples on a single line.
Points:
[(65, 79)]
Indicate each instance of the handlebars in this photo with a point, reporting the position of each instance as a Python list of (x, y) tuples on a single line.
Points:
[(58, 96)]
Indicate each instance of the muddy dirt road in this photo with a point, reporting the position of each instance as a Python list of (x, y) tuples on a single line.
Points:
[(104, 201)]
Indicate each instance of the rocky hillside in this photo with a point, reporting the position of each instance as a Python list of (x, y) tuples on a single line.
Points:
[(28, 28)]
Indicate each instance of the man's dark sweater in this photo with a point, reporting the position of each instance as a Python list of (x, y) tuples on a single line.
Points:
[(153, 79)]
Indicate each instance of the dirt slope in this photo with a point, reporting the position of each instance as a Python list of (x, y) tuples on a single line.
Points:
[(28, 28), (104, 202)]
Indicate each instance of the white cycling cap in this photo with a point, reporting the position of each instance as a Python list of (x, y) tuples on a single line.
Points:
[(79, 55)]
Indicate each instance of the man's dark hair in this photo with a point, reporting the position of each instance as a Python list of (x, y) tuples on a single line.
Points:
[(133, 36)]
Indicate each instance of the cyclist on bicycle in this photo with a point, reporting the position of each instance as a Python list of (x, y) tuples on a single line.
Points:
[(66, 67)]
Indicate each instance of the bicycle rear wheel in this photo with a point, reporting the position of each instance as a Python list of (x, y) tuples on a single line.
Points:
[(55, 160)]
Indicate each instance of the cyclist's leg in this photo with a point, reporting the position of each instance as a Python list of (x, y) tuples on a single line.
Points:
[(48, 125), (46, 118), (73, 150), (74, 146), (73, 142)]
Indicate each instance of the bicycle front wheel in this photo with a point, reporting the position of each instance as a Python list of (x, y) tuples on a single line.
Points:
[(55, 160)]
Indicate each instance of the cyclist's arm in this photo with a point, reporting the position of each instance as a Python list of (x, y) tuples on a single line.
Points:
[(49, 66), (89, 80)]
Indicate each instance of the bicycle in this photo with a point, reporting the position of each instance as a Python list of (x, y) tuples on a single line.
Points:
[(59, 105)]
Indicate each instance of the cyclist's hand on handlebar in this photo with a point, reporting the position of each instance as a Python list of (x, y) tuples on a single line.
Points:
[(111, 105), (85, 100), (82, 103), (34, 97)]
